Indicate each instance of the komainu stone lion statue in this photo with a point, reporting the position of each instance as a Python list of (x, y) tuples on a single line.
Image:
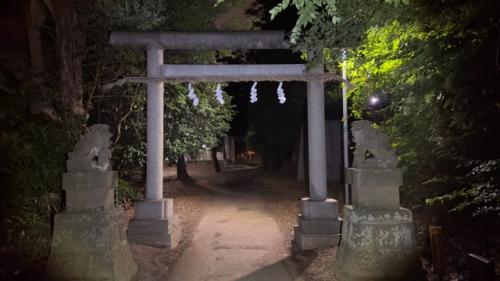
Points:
[(92, 152), (373, 149)]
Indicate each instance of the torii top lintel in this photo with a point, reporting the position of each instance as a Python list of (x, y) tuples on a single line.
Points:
[(201, 40)]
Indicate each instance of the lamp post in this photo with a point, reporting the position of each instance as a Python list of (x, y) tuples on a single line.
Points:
[(345, 123)]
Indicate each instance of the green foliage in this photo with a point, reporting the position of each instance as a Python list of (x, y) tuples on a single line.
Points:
[(126, 194), (34, 148), (480, 196), (27, 234), (188, 128), (40, 152), (373, 66), (33, 159), (308, 11), (129, 153), (327, 24), (434, 64), (436, 72)]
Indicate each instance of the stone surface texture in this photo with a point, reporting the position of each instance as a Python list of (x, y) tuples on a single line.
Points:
[(319, 225), (89, 190), (316, 142), (376, 245), (89, 240), (155, 224), (373, 148), (326, 209), (202, 40), (376, 189), (378, 237), (92, 152), (90, 245)]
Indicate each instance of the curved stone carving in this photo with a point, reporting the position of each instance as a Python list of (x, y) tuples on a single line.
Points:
[(373, 148), (92, 152)]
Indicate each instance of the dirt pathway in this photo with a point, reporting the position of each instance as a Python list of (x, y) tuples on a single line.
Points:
[(237, 239), (237, 225)]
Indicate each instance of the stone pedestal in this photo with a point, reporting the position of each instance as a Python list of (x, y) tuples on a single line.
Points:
[(376, 245), (155, 224), (89, 241), (318, 225), (375, 189), (378, 237)]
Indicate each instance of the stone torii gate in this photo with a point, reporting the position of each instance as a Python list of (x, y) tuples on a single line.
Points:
[(154, 222)]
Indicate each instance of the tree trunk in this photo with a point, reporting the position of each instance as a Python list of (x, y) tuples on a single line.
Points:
[(182, 173), (70, 45), (34, 20), (214, 160)]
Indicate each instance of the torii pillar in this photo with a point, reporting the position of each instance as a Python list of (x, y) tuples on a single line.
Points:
[(319, 224), (154, 222)]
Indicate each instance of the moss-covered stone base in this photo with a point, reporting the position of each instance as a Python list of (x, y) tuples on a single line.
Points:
[(90, 245), (376, 245)]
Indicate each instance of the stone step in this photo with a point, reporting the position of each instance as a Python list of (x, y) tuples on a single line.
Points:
[(319, 226), (307, 241), (164, 239), (152, 226), (327, 209)]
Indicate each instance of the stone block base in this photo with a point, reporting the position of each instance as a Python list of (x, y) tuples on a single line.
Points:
[(327, 209), (318, 225), (89, 190), (376, 245), (309, 241), (154, 224), (322, 226), (90, 246), (375, 189), (155, 232), (154, 209)]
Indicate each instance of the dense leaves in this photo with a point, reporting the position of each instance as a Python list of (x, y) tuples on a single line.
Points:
[(37, 132), (328, 24), (126, 194), (438, 76), (434, 67), (34, 152), (187, 128)]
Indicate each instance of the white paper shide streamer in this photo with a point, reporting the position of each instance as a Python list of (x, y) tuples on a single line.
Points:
[(281, 93), (253, 93), (218, 94), (192, 96)]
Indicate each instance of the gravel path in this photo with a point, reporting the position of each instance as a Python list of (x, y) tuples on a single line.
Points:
[(237, 225), (235, 240)]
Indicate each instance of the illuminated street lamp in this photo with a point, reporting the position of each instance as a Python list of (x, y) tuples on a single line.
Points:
[(374, 100)]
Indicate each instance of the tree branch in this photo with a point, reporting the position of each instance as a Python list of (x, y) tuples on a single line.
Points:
[(92, 91), (124, 117)]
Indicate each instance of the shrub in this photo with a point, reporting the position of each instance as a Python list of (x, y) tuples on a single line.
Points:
[(126, 194)]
